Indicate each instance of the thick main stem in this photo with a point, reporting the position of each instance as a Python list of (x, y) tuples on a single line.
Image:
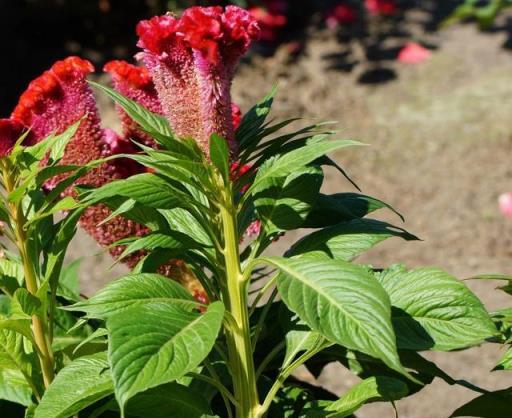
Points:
[(238, 335), (38, 328)]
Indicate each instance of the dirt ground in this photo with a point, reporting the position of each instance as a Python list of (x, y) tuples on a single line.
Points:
[(440, 140)]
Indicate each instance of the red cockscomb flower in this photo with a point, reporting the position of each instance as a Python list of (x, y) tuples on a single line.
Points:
[(192, 60)]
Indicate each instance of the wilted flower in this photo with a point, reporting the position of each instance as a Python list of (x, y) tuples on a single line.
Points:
[(505, 204), (413, 53), (192, 61)]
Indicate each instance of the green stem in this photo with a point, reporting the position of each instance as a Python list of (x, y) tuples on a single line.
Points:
[(238, 336), (40, 337)]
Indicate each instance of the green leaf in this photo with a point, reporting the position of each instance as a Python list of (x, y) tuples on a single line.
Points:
[(172, 240), (340, 207), (134, 290), (341, 301), (490, 405), (81, 383), (347, 240), (433, 310), (298, 341), (55, 144), (149, 121), (283, 203), (18, 325), (290, 162), (157, 343), (27, 301), (505, 362), (219, 154), (373, 389), (170, 400), (13, 386), (147, 188)]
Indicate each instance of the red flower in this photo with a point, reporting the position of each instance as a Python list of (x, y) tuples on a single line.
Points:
[(270, 23), (10, 132), (381, 7), (192, 61)]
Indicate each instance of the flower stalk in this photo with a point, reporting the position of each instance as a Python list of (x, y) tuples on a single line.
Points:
[(236, 300), (39, 329)]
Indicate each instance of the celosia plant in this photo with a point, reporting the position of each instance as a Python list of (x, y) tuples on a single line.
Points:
[(214, 192)]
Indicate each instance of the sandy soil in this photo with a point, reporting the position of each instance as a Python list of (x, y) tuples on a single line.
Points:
[(440, 140)]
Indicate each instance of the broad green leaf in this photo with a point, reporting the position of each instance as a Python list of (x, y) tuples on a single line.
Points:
[(172, 240), (347, 240), (157, 343), (341, 301), (81, 383), (15, 365), (133, 290), (341, 207), (490, 405), (290, 162), (18, 325), (183, 221), (148, 189), (373, 389), (505, 362), (433, 310), (28, 302), (219, 154), (282, 203), (14, 386), (170, 400), (99, 333)]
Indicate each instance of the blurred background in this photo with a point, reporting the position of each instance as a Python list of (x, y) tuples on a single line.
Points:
[(427, 84)]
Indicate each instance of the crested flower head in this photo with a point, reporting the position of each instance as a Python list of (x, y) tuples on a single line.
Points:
[(136, 84), (10, 131), (192, 61), (59, 98)]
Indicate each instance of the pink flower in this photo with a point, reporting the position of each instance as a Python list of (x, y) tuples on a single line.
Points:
[(341, 14), (381, 7), (192, 61), (413, 53), (505, 204), (10, 132), (270, 22)]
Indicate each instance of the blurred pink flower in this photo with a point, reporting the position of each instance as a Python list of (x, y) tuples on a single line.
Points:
[(381, 7), (270, 22), (505, 204), (341, 14), (413, 53)]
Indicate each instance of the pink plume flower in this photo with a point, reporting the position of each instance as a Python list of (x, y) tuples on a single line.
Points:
[(10, 132), (342, 14), (413, 53), (505, 204), (381, 7), (192, 60), (136, 84)]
